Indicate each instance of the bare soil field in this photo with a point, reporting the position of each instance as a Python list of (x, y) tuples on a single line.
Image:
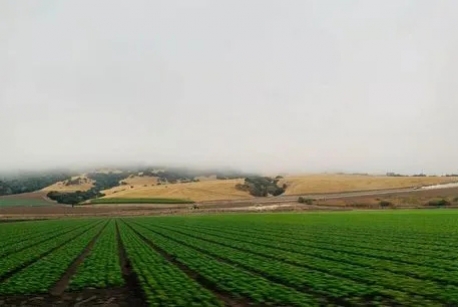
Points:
[(118, 297)]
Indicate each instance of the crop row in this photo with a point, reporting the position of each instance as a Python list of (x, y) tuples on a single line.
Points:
[(101, 268), (162, 283), (42, 238), (229, 278), (386, 232), (352, 226), (27, 232), (379, 277), (372, 241), (317, 275), (291, 252), (29, 255), (44, 273), (352, 247)]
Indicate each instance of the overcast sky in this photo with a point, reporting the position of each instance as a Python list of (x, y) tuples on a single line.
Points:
[(294, 86)]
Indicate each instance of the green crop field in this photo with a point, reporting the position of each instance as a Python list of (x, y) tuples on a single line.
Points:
[(141, 201), (376, 258), (15, 201)]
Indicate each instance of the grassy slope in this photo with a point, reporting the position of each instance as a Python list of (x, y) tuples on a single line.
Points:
[(137, 182), (210, 189), (24, 200), (61, 187), (196, 191), (141, 201), (329, 183), (225, 189)]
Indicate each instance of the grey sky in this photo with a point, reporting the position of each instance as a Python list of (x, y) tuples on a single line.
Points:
[(257, 85)]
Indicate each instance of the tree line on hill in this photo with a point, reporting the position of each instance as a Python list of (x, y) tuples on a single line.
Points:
[(175, 175), (105, 181), (102, 181), (31, 182)]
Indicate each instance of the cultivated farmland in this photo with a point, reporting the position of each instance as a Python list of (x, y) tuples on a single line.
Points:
[(389, 258), (25, 200)]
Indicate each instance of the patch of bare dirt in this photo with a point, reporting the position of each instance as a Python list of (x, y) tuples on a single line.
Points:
[(118, 297)]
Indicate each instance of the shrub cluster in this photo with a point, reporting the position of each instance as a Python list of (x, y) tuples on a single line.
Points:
[(261, 186), (307, 201), (103, 181)]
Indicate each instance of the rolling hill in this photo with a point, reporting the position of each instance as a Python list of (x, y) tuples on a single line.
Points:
[(77, 183), (208, 188), (331, 183), (197, 191)]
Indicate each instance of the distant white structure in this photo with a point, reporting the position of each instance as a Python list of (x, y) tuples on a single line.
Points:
[(441, 186)]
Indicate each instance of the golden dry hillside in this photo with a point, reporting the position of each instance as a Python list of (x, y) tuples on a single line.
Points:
[(133, 183), (211, 189), (329, 183), (108, 170), (79, 183), (206, 178), (196, 191)]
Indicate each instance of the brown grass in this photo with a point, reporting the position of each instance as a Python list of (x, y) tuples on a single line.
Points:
[(206, 178), (196, 191), (136, 181), (210, 189), (404, 200), (330, 183), (61, 187)]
